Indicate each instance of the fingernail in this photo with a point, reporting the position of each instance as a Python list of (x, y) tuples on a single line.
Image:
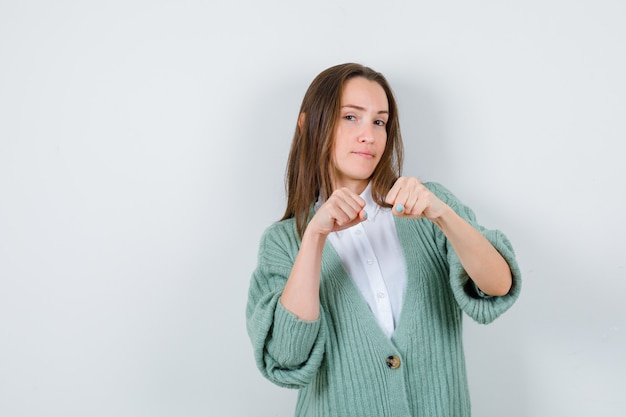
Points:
[(365, 215), (399, 208)]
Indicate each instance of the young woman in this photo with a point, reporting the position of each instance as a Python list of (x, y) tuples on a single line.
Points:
[(358, 295)]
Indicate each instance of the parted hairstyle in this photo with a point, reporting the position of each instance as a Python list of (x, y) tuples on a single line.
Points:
[(310, 163)]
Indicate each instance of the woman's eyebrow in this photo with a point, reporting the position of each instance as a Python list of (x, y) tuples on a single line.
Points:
[(360, 108)]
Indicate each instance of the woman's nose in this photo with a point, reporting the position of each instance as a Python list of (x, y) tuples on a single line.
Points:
[(367, 135)]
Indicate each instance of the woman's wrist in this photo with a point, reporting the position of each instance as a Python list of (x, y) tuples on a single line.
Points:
[(446, 217), (314, 238)]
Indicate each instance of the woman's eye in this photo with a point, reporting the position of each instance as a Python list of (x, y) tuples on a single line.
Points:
[(379, 122), (350, 117)]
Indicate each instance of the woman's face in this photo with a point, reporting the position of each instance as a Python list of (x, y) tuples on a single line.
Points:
[(360, 135)]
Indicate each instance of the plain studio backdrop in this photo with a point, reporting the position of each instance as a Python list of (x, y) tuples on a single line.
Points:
[(142, 154)]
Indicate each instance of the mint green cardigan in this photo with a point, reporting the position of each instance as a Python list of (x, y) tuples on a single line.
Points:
[(339, 362)]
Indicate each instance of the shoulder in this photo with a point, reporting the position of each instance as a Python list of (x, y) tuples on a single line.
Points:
[(280, 228), (440, 191), (279, 239), (445, 195)]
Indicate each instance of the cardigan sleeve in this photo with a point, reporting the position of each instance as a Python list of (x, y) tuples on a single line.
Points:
[(288, 351), (483, 309)]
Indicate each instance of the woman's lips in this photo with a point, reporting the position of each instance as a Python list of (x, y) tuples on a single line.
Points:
[(364, 154)]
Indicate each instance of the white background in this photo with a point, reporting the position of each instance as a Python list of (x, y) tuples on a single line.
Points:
[(142, 152)]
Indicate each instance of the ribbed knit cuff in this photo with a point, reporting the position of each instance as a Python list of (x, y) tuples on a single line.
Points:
[(292, 339), (485, 310)]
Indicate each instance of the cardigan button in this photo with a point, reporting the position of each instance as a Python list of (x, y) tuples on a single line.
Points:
[(393, 362)]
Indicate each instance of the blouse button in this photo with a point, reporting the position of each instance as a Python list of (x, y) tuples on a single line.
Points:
[(393, 362)]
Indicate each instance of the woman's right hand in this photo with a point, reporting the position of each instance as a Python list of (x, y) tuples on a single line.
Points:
[(301, 293), (343, 209)]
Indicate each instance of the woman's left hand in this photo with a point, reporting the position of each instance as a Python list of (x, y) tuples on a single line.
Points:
[(482, 262), (410, 198)]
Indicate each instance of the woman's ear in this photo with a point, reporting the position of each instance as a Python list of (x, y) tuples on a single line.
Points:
[(301, 120)]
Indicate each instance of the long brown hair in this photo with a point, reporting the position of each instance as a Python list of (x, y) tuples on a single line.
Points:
[(309, 165)]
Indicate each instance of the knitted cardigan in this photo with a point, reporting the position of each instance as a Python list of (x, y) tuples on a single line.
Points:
[(339, 362)]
